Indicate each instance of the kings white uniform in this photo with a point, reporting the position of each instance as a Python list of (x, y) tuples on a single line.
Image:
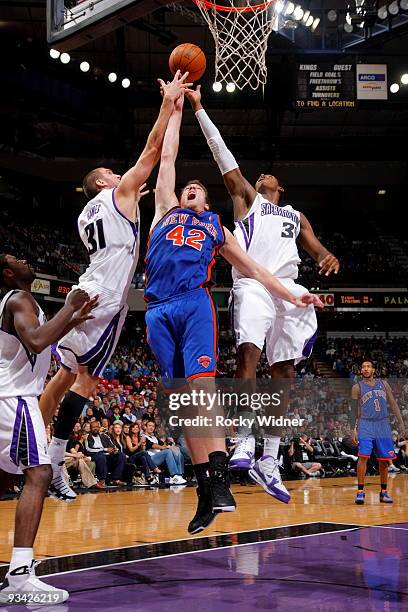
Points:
[(268, 234), (112, 241), (23, 440)]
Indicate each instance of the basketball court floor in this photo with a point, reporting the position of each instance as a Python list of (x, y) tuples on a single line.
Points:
[(130, 550)]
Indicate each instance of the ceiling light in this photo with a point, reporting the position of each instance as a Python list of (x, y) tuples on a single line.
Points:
[(112, 77), (394, 88), (84, 66), (125, 83), (65, 58), (217, 86), (54, 53)]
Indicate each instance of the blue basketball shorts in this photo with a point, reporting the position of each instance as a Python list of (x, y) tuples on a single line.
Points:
[(377, 436), (182, 334)]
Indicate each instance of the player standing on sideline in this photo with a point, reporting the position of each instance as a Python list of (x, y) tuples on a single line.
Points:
[(109, 228), (370, 398), (181, 321), (25, 355), (267, 231)]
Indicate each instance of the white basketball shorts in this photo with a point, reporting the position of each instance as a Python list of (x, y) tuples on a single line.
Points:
[(92, 343), (23, 440), (257, 316)]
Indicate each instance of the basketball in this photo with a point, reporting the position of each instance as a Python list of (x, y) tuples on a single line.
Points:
[(188, 58)]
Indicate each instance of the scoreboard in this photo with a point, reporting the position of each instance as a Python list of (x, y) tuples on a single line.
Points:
[(325, 85)]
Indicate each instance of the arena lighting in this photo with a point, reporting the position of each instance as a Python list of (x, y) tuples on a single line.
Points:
[(332, 15), (217, 87), (393, 8), (65, 58), (306, 17), (279, 6), (404, 79), (348, 28), (298, 13), (54, 53), (112, 77), (315, 24), (382, 12), (125, 83), (381, 192), (79, 189), (84, 66), (309, 21), (230, 87), (394, 88), (289, 8), (404, 5)]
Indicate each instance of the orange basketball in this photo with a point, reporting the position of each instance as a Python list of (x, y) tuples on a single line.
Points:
[(188, 58)]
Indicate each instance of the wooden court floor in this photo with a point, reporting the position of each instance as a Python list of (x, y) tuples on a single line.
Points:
[(120, 519)]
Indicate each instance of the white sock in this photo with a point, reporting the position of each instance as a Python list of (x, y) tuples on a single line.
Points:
[(245, 430), (20, 557), (271, 446), (57, 450)]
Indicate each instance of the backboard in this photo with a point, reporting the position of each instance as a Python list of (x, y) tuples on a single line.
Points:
[(73, 23)]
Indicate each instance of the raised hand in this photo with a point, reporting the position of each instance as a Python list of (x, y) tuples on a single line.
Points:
[(84, 313), (194, 97), (77, 298), (172, 90), (329, 264)]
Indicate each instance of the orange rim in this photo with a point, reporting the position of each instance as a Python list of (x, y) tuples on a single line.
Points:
[(232, 9)]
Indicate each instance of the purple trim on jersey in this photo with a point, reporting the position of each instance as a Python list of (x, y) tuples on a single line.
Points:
[(32, 442), (133, 224), (308, 347), (16, 432), (251, 227), (55, 352), (93, 351), (102, 363), (248, 238), (241, 225)]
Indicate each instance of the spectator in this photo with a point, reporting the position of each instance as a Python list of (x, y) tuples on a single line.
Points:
[(136, 450), (128, 416), (161, 453), (105, 455), (76, 460), (301, 452)]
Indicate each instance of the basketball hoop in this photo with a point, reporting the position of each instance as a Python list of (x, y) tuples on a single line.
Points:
[(240, 29)]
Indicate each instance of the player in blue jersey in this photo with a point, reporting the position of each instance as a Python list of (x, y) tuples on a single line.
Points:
[(181, 321), (371, 397)]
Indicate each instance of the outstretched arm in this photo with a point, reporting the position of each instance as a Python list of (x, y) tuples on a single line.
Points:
[(233, 253), (394, 408), (355, 410), (165, 197), (36, 337), (127, 193), (240, 190), (308, 240)]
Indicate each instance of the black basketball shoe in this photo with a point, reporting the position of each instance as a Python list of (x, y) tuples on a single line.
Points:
[(205, 514), (221, 496)]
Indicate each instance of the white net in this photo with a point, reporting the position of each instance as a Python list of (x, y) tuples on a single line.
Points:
[(241, 29)]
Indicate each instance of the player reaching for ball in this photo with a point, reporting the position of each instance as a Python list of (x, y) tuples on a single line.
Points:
[(109, 228), (267, 231), (181, 323)]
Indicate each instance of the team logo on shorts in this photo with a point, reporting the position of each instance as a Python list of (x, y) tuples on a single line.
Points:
[(204, 360)]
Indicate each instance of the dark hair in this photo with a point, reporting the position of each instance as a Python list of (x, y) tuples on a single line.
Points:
[(3, 266), (89, 183), (151, 421), (197, 182), (367, 361)]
